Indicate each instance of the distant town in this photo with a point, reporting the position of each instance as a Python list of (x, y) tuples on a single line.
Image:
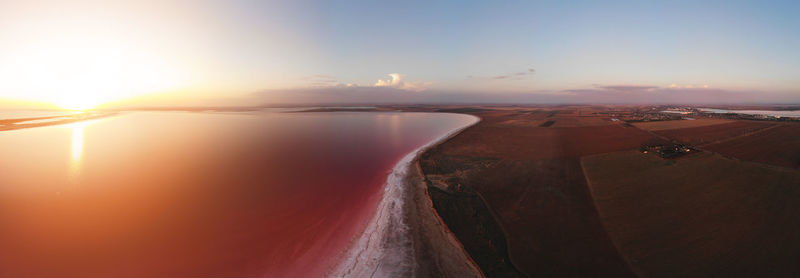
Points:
[(668, 113)]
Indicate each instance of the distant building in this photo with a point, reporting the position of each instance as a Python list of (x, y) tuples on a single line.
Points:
[(667, 150)]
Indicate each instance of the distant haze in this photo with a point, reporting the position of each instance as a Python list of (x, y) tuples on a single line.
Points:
[(579, 96)]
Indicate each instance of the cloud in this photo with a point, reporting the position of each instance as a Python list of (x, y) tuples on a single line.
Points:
[(321, 80), (327, 89), (340, 95), (632, 90), (628, 88), (672, 94), (690, 86), (511, 76), (398, 81), (395, 91)]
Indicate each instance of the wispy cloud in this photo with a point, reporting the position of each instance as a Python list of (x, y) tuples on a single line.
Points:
[(628, 88), (395, 91), (633, 90), (321, 80), (689, 86), (656, 94), (511, 76)]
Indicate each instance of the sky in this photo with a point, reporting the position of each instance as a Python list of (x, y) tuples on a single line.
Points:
[(86, 53)]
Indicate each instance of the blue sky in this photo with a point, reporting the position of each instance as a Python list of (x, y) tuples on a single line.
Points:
[(728, 44), (223, 49)]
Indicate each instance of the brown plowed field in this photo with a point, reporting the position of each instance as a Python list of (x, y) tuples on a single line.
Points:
[(714, 133), (488, 140), (531, 180), (675, 124), (700, 216), (703, 214), (777, 146)]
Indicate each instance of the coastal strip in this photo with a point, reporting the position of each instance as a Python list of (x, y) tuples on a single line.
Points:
[(405, 237), (23, 123)]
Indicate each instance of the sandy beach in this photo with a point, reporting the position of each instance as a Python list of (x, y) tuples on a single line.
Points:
[(405, 236)]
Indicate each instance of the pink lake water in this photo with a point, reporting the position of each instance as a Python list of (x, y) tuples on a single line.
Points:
[(178, 194)]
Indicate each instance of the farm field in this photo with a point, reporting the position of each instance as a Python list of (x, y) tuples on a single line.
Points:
[(578, 199), (526, 118), (675, 124), (489, 139), (580, 121), (701, 215), (531, 180), (713, 133), (536, 119), (778, 146)]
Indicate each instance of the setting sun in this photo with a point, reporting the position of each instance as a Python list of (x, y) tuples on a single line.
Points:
[(85, 73), (85, 69), (78, 104)]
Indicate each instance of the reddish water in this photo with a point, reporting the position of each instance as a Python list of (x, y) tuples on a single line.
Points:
[(197, 194)]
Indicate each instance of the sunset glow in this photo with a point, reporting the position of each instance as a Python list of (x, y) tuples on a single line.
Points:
[(87, 71), (67, 55)]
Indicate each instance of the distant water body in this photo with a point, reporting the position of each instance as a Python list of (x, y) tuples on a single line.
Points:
[(182, 194), (676, 112), (773, 113)]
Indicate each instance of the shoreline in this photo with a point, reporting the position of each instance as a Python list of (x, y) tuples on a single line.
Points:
[(405, 236), (33, 122)]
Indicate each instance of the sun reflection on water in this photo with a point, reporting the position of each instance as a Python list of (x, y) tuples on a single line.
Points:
[(77, 147)]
